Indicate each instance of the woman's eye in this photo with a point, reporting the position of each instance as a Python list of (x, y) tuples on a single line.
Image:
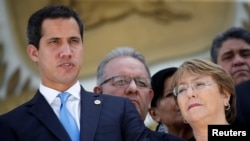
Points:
[(200, 85), (182, 90), (170, 94)]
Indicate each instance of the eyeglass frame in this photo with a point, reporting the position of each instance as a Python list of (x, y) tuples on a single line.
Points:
[(148, 84), (193, 86)]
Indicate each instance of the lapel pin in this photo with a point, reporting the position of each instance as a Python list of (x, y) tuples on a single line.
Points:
[(97, 102)]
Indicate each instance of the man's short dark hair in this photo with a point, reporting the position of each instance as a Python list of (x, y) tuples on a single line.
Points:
[(49, 12), (231, 33)]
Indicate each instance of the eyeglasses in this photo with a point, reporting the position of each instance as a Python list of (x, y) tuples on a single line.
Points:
[(124, 81), (182, 89)]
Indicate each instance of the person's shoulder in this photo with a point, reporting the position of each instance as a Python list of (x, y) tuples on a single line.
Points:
[(243, 86), (109, 98), (191, 139), (106, 96), (163, 136), (19, 110), (117, 100), (242, 91), (15, 112)]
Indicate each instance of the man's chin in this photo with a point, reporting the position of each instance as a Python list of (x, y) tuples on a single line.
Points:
[(241, 80)]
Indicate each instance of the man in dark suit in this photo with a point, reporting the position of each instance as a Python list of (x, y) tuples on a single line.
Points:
[(243, 103), (55, 38), (124, 73), (231, 50)]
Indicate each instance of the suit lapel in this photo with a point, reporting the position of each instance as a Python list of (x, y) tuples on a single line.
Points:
[(91, 105), (42, 110)]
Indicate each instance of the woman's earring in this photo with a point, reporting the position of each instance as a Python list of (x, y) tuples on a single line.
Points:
[(227, 108), (185, 121)]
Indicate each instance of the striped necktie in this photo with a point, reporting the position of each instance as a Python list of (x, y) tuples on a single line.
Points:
[(67, 119)]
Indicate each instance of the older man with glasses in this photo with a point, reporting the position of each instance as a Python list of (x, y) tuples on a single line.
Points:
[(123, 72), (116, 72)]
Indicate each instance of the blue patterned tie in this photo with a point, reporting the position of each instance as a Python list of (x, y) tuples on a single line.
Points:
[(67, 119)]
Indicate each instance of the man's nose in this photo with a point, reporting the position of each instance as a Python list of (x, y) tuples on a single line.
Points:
[(66, 50), (238, 60), (132, 87)]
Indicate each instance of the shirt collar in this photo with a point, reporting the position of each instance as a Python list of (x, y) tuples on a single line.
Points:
[(50, 94)]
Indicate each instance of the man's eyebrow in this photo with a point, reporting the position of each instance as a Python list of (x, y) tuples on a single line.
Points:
[(244, 49), (227, 53), (53, 38), (75, 37)]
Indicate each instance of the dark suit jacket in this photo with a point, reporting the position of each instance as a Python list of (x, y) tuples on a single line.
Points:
[(243, 103), (160, 136), (114, 119)]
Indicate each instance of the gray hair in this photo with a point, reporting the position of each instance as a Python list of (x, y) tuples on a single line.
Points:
[(119, 52)]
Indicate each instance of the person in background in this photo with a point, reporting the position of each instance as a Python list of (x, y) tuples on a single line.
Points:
[(243, 104), (62, 110), (205, 94), (231, 50), (124, 73), (164, 109)]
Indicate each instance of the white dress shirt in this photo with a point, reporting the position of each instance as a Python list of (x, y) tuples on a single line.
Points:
[(73, 103)]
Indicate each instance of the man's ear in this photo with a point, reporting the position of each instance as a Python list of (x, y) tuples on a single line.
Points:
[(151, 95), (97, 89), (32, 52)]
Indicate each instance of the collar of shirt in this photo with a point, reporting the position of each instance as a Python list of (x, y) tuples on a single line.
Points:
[(51, 94)]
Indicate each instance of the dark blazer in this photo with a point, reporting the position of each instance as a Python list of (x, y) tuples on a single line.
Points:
[(113, 119), (160, 136), (243, 103)]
